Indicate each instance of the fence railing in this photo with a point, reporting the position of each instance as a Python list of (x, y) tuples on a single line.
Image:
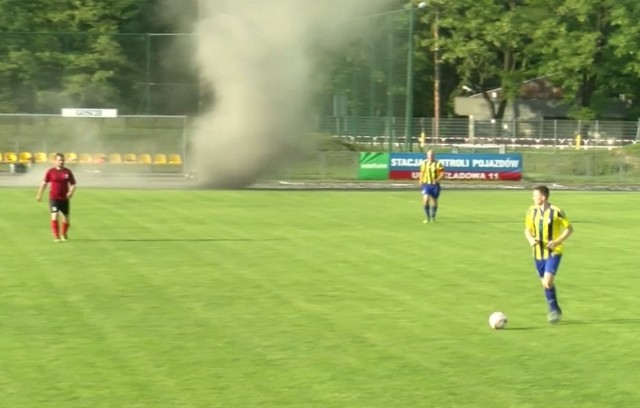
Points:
[(389, 133), (148, 135), (595, 166), (124, 134)]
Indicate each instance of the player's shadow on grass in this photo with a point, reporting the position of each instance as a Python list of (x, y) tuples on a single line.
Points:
[(177, 239), (603, 321), (477, 222), (578, 322), (524, 328)]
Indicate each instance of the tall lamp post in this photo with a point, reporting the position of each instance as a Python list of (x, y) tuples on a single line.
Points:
[(408, 119), (436, 74)]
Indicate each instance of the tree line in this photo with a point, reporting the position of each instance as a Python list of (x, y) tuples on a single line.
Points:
[(56, 53), (69, 53), (589, 49)]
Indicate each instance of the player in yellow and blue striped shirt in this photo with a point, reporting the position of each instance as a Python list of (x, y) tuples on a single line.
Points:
[(546, 228), (431, 173)]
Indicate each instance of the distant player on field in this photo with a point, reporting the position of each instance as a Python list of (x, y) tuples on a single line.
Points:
[(546, 227), (63, 185), (431, 173)]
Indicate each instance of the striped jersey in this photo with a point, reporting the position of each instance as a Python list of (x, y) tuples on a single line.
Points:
[(546, 225), (430, 171)]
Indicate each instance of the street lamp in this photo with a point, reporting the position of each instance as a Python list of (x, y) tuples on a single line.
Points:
[(408, 119), (436, 74)]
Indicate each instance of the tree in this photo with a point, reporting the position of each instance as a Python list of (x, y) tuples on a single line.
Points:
[(64, 53), (590, 49), (574, 45), (489, 42)]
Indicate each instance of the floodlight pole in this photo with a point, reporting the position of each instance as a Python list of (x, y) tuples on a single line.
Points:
[(408, 119), (436, 75)]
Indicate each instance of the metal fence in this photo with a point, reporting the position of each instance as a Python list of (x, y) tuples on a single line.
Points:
[(549, 148), (152, 78), (372, 75), (571, 166), (387, 133), (24, 135)]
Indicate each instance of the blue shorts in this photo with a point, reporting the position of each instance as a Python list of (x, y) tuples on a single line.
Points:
[(431, 190), (549, 265)]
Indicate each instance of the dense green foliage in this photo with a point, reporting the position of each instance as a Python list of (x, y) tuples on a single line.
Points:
[(590, 49), (54, 53), (64, 53)]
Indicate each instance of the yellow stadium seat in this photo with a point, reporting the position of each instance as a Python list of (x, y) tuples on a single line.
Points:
[(10, 157), (52, 157), (85, 158), (160, 158), (115, 158), (144, 158), (71, 157), (41, 157), (25, 157), (175, 159), (130, 158), (100, 158)]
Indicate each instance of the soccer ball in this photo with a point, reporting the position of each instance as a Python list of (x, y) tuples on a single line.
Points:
[(498, 320)]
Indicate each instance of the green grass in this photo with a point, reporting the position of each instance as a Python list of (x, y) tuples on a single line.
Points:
[(170, 299)]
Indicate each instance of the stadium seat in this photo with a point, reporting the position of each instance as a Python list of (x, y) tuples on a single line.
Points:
[(100, 158), (41, 157), (85, 158), (175, 159), (71, 157), (115, 158), (130, 158), (160, 158), (25, 157), (9, 157), (144, 158), (52, 157)]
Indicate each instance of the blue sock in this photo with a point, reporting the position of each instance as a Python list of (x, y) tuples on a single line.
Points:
[(552, 300), (427, 211), (434, 210)]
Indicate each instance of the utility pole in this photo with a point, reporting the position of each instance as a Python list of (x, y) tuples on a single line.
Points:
[(436, 75)]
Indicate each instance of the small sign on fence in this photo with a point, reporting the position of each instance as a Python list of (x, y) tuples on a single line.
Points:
[(373, 166), (89, 113)]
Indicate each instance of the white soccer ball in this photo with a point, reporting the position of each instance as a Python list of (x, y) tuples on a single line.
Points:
[(498, 320)]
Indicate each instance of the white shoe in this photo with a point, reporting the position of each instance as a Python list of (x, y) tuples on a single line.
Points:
[(554, 316)]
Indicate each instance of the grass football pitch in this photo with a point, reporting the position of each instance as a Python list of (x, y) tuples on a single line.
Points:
[(168, 299)]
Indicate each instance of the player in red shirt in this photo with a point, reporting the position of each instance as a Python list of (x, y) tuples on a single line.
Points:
[(63, 185)]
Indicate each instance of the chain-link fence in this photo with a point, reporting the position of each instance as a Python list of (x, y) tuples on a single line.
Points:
[(155, 142), (374, 132), (369, 89), (154, 73), (136, 73), (570, 166)]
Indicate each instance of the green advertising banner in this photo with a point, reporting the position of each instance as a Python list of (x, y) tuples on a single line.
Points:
[(373, 166)]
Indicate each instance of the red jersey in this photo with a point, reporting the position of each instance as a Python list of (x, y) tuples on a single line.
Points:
[(60, 181)]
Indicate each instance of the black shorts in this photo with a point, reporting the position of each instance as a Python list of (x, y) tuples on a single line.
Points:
[(59, 206)]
